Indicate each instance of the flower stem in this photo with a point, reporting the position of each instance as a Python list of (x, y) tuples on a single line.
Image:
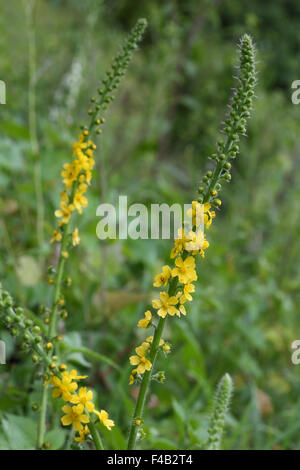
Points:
[(96, 436), (139, 408)]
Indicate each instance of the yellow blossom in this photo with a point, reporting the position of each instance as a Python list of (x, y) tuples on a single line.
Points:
[(208, 215), (131, 377), (75, 237), (188, 288), (57, 236), (74, 415), (165, 305), (73, 375), (64, 212), (104, 418), (63, 387), (162, 278), (84, 397), (196, 213), (185, 270), (144, 323), (140, 359), (82, 433), (179, 243)]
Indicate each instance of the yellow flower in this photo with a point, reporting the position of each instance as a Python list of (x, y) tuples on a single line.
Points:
[(165, 305), (73, 375), (188, 288), (79, 146), (166, 347), (145, 321), (208, 215), (150, 339), (75, 237), (185, 270), (80, 201), (131, 377), (70, 173), (196, 213), (84, 397), (104, 418), (181, 307), (63, 387), (65, 211), (82, 433), (74, 415), (65, 254), (162, 278), (197, 243), (57, 236), (179, 243), (140, 360)]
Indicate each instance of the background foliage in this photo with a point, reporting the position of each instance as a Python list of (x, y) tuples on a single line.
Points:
[(154, 148)]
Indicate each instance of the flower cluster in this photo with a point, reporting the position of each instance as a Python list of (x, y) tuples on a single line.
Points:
[(76, 176), (141, 359), (177, 282), (79, 402)]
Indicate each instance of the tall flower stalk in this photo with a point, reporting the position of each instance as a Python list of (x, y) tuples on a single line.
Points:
[(221, 405), (76, 178), (178, 281)]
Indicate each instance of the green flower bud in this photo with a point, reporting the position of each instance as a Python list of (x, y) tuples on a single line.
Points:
[(217, 422)]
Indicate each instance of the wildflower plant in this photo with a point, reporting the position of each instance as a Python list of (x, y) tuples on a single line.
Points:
[(176, 283), (42, 342)]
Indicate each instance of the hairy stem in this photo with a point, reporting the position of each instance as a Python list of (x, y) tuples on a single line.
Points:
[(96, 436)]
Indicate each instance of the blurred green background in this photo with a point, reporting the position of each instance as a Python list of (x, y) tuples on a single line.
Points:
[(158, 134)]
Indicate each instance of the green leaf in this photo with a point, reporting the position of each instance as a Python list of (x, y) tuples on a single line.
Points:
[(56, 437), (20, 432)]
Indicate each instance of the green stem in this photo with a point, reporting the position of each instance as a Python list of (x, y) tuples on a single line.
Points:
[(58, 281), (32, 119), (42, 418), (96, 436), (140, 404)]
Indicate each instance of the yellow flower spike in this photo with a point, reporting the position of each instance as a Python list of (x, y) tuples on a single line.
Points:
[(144, 323), (185, 270), (75, 416), (104, 418), (162, 278), (84, 397), (165, 305)]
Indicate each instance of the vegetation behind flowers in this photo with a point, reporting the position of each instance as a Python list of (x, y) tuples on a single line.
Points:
[(159, 133)]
